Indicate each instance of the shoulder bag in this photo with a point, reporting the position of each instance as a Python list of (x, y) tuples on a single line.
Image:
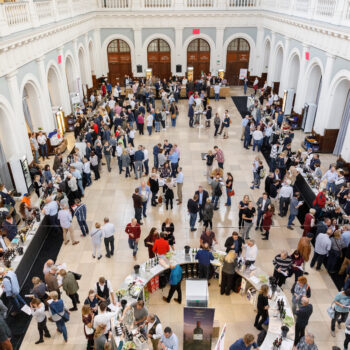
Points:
[(331, 311)]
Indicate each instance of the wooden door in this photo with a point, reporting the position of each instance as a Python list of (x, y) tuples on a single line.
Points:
[(238, 52), (119, 61), (159, 58), (198, 57)]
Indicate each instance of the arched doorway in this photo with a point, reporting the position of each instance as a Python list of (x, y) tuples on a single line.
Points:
[(82, 65), (119, 61), (54, 84), (71, 79), (294, 69), (237, 58), (278, 69), (159, 58), (198, 57), (313, 87), (266, 56)]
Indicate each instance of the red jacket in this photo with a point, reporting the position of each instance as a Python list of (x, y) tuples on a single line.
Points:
[(134, 230), (307, 223), (320, 200), (161, 246)]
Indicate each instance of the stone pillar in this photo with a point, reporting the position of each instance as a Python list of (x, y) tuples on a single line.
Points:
[(87, 61), (180, 55), (22, 144), (67, 108), (140, 56), (323, 109), (34, 19), (258, 62), (218, 53), (284, 71), (300, 90), (271, 68), (101, 67), (45, 103)]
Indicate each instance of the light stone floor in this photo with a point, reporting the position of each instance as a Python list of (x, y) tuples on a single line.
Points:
[(111, 196)]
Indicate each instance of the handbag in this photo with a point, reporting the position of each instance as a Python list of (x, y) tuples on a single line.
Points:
[(160, 199), (65, 316), (88, 330), (331, 311), (231, 193), (77, 276)]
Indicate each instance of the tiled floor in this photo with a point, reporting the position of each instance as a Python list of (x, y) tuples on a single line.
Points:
[(111, 196)]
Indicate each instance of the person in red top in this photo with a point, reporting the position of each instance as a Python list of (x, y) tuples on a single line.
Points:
[(133, 229), (309, 221), (320, 202), (161, 246)]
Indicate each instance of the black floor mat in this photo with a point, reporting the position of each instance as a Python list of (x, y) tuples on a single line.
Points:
[(241, 104)]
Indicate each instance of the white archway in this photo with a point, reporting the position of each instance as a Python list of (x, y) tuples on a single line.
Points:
[(108, 40), (169, 42), (267, 53), (278, 62), (313, 76), (210, 42), (71, 75), (92, 57), (293, 69), (55, 87), (251, 42), (82, 65)]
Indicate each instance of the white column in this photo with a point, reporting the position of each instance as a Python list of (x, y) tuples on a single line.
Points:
[(271, 68), (323, 110), (218, 54), (283, 80), (87, 61), (101, 67), (259, 53), (33, 14), (45, 103), (140, 57), (64, 88), (179, 53), (76, 59), (23, 145), (300, 90)]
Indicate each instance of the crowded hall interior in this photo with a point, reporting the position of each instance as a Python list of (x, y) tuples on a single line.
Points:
[(175, 174)]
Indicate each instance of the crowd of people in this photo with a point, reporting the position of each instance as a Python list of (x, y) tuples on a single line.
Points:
[(265, 128)]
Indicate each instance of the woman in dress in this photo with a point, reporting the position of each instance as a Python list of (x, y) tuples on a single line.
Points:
[(241, 206), (88, 320), (149, 241), (267, 221), (168, 228), (262, 306)]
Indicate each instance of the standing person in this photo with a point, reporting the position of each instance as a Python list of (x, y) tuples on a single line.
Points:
[(267, 221), (38, 313), (226, 123), (250, 252), (262, 206), (302, 319), (42, 139), (137, 199), (282, 263), (309, 221), (245, 85), (241, 206), (107, 153), (175, 282), (140, 123), (210, 160), (193, 208), (125, 163), (149, 241), (229, 190), (217, 122), (294, 209), (202, 196), (65, 219), (168, 229), (190, 115), (304, 248), (323, 245), (208, 116), (35, 147), (96, 240), (86, 172), (108, 237), (94, 165), (168, 340), (234, 243), (216, 191), (227, 272), (299, 290), (217, 92), (248, 216), (149, 121), (71, 287), (179, 184), (341, 309), (161, 246), (204, 256), (145, 192), (12, 290), (285, 195), (59, 314), (297, 264), (87, 315), (169, 194), (219, 156), (133, 230), (262, 306), (335, 253), (80, 214), (208, 213), (154, 330), (154, 187)]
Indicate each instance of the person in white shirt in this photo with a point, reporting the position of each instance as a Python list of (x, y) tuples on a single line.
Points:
[(258, 137), (86, 172), (149, 121), (154, 330), (96, 235), (42, 145), (285, 195), (108, 237), (251, 252), (217, 92), (332, 176), (145, 160), (38, 313), (104, 317), (104, 291), (323, 245)]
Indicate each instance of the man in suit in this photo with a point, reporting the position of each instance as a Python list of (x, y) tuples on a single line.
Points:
[(235, 242), (262, 204), (202, 199)]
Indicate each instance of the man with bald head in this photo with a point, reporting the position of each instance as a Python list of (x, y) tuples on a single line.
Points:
[(302, 319)]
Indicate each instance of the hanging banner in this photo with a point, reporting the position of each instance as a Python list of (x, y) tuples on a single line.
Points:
[(221, 342), (243, 73), (198, 328)]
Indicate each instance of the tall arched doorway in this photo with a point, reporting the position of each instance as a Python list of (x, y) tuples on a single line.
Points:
[(119, 61), (70, 76), (159, 58), (294, 71), (314, 83), (82, 64), (266, 56), (54, 84), (237, 58), (278, 70), (198, 57)]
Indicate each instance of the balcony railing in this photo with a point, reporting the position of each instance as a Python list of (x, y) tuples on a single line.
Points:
[(17, 16)]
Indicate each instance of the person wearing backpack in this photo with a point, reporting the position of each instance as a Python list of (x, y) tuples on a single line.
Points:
[(216, 191)]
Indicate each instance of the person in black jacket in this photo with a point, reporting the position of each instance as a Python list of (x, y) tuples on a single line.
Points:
[(268, 181), (169, 194), (192, 207), (235, 242), (202, 196), (302, 315), (154, 187), (262, 306)]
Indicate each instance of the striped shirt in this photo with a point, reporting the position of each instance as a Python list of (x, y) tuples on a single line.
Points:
[(80, 212), (283, 264)]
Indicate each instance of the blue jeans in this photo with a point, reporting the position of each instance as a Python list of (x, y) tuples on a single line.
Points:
[(127, 172), (330, 187), (145, 164), (158, 126), (144, 208), (43, 151), (228, 202), (259, 218), (173, 169), (80, 185), (291, 219), (217, 98), (149, 129), (61, 326), (173, 122), (272, 164), (193, 219), (155, 160), (246, 141), (133, 245), (215, 200), (84, 227), (245, 89), (257, 144), (16, 301), (256, 179)]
